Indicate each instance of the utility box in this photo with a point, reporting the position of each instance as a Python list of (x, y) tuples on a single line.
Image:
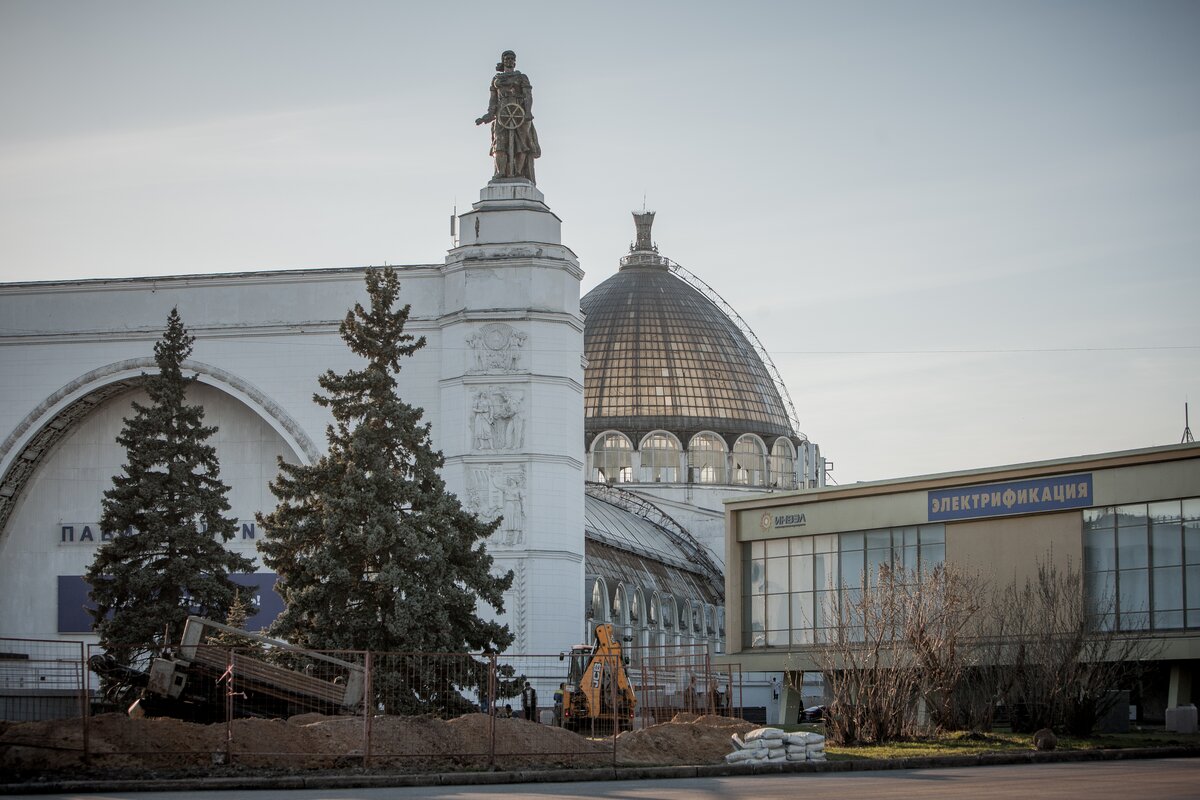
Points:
[(1181, 719)]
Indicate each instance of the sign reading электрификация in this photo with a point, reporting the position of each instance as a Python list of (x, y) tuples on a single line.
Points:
[(1011, 497)]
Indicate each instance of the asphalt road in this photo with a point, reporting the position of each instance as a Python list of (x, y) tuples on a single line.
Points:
[(1160, 779)]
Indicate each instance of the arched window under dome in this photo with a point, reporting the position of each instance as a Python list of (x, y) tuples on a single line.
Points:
[(749, 461), (612, 458), (660, 458), (706, 459), (783, 464)]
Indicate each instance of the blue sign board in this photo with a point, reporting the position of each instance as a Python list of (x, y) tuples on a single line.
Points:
[(73, 601), (1033, 496)]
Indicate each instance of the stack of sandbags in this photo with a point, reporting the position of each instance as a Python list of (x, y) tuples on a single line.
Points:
[(764, 745), (759, 746), (805, 747)]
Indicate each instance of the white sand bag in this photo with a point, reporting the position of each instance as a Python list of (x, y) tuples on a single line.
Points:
[(796, 756), (739, 755), (737, 742), (776, 755), (764, 733)]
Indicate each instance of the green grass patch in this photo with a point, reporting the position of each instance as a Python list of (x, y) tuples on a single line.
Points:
[(968, 744)]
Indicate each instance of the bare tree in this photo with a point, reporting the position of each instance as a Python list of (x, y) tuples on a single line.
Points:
[(941, 606), (870, 673), (1066, 657)]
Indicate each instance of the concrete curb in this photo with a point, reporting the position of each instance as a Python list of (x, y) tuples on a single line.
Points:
[(386, 780)]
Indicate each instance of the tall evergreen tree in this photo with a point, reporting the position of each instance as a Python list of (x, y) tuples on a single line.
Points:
[(372, 551), (166, 507)]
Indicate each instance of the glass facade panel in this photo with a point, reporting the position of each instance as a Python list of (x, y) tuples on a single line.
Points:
[(1191, 576), (777, 575), (777, 548), (660, 458), (1102, 592), (783, 464), (1099, 550), (749, 462), (1131, 515), (777, 612), (852, 567), (1191, 542), (1131, 547), (800, 595), (706, 459), (1098, 519), (1163, 512), (757, 581), (851, 541), (612, 458), (802, 610), (1123, 541), (757, 627), (1168, 589), (1166, 544), (825, 571), (877, 560), (1167, 620), (1133, 598), (802, 574)]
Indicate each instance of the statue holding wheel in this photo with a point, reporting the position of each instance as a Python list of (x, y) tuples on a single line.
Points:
[(510, 110)]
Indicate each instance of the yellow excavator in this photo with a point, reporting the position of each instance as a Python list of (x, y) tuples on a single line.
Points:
[(598, 690)]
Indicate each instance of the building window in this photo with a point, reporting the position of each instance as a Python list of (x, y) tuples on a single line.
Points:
[(783, 464), (612, 458), (794, 590), (749, 461), (1142, 565), (660, 458), (706, 459)]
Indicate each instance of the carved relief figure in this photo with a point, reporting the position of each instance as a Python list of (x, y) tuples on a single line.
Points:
[(513, 493), (481, 421), (494, 490), (510, 110), (497, 420), (496, 348)]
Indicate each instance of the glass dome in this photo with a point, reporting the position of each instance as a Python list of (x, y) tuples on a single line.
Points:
[(661, 355)]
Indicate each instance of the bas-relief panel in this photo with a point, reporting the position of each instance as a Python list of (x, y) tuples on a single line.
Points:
[(495, 490), (497, 419), (496, 349)]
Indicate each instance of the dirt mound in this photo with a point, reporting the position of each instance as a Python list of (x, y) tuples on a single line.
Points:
[(686, 739), (313, 741)]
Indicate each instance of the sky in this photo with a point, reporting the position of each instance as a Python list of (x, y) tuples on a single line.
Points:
[(968, 233)]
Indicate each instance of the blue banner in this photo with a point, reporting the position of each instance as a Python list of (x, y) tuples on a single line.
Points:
[(1011, 497), (73, 601)]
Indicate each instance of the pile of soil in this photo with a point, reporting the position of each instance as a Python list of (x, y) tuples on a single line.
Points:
[(120, 744), (686, 739)]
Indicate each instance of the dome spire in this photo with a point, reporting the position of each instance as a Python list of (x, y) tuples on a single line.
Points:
[(643, 252)]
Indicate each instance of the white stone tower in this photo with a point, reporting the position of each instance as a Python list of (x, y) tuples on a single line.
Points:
[(512, 404)]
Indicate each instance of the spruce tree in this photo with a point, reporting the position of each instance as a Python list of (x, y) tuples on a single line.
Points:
[(371, 550), (166, 558)]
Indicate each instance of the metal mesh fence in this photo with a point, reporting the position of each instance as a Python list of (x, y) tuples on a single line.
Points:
[(41, 679), (681, 678), (262, 704)]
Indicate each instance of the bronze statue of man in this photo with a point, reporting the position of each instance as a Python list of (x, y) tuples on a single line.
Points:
[(510, 110)]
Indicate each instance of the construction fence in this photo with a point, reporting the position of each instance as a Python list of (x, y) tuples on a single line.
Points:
[(262, 706)]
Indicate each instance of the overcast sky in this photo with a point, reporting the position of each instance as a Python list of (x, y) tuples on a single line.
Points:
[(967, 232)]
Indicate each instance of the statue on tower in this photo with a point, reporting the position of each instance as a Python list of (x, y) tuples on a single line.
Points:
[(510, 110)]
